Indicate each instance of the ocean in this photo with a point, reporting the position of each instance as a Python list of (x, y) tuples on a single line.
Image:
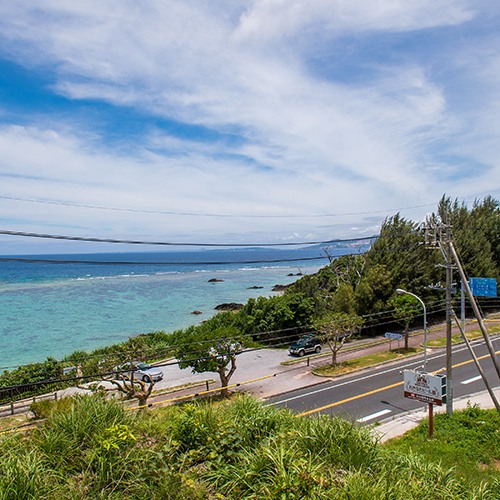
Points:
[(53, 309)]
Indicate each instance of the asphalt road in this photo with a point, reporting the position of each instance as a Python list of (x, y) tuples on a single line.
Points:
[(377, 394), (367, 396)]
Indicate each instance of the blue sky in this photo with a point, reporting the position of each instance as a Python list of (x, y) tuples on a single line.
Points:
[(261, 111)]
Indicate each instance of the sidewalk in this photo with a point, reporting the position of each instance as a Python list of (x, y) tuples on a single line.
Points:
[(399, 424)]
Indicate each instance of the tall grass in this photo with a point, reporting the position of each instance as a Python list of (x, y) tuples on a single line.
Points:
[(93, 449), (23, 476)]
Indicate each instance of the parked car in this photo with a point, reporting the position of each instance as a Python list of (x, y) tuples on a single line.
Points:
[(305, 345), (142, 371)]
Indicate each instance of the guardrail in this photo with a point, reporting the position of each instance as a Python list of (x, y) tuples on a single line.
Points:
[(23, 405)]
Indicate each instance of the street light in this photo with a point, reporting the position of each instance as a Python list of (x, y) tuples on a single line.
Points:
[(400, 291)]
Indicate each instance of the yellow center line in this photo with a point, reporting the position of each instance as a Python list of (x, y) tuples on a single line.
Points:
[(331, 405), (350, 399)]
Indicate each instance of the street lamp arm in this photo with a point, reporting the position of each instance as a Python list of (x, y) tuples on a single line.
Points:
[(400, 291)]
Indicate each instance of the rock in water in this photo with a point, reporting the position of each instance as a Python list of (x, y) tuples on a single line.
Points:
[(231, 306)]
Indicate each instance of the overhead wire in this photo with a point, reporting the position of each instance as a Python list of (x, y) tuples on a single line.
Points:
[(17, 233), (263, 333), (390, 320), (159, 365), (195, 214), (190, 263), (157, 263), (175, 263), (188, 244)]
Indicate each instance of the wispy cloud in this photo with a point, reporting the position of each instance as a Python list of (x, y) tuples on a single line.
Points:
[(267, 107), (284, 18)]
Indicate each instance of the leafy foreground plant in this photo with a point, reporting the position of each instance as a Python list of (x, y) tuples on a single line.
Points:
[(93, 449)]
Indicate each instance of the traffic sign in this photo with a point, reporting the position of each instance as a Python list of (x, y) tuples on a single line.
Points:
[(483, 287), (394, 336)]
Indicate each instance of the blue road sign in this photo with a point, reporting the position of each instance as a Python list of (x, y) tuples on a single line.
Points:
[(483, 287), (395, 336)]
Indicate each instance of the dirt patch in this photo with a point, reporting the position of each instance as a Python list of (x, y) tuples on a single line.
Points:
[(494, 465)]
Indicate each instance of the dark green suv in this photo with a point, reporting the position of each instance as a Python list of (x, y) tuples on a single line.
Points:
[(305, 345)]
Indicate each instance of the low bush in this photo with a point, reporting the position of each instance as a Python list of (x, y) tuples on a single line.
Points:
[(44, 407)]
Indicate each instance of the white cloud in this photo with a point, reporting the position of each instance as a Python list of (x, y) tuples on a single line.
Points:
[(271, 19), (309, 143)]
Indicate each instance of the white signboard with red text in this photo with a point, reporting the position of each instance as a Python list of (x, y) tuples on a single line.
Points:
[(425, 387)]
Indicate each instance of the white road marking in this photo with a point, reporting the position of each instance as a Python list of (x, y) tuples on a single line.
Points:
[(354, 380), (373, 415), (470, 380), (351, 381)]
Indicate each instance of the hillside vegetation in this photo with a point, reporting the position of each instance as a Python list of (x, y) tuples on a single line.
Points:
[(90, 448)]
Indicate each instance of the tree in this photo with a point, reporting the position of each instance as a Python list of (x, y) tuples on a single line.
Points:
[(262, 316), (205, 350), (343, 300), (302, 294), (345, 269), (336, 328), (133, 389), (475, 234), (405, 308), (374, 290), (399, 257)]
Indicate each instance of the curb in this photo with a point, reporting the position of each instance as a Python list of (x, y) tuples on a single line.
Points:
[(173, 390), (369, 367)]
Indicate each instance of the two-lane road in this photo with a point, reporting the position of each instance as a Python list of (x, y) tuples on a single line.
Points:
[(377, 394)]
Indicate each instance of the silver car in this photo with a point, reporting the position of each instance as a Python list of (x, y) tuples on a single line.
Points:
[(142, 371)]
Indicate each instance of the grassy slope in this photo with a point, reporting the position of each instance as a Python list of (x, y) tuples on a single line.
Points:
[(469, 442), (92, 449)]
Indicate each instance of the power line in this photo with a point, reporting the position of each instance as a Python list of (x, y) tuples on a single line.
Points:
[(290, 332), (195, 214), (127, 355), (177, 362), (164, 243), (159, 263), (188, 263)]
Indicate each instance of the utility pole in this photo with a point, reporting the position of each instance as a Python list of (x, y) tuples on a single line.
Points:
[(439, 236), (449, 280)]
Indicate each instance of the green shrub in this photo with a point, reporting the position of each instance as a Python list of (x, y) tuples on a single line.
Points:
[(43, 408), (469, 441)]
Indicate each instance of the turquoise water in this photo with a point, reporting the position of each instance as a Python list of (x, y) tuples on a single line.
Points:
[(55, 309)]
